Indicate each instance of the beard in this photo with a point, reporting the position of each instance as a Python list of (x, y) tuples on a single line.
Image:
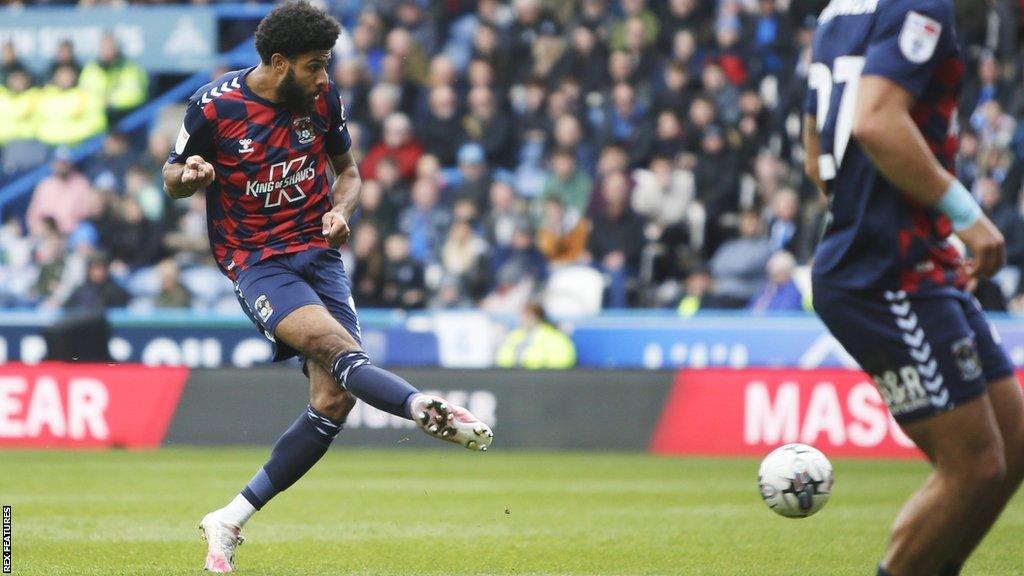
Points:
[(291, 95)]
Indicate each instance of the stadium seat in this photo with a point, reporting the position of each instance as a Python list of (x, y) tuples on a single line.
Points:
[(21, 155), (574, 291)]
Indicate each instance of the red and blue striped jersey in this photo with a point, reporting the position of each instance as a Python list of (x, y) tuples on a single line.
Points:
[(878, 238), (271, 187)]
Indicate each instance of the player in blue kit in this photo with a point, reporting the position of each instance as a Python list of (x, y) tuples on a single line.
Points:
[(884, 84), (261, 142)]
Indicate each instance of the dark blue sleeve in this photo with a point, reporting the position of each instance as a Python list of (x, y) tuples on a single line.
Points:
[(910, 37), (338, 139), (194, 138)]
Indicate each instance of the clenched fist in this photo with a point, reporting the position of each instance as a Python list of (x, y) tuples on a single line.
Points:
[(198, 173), (335, 229)]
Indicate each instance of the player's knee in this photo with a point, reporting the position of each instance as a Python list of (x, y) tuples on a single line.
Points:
[(324, 347), (334, 404), (987, 468)]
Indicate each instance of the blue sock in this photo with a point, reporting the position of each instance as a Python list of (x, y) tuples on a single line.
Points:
[(882, 571), (378, 388), (951, 569), (296, 451)]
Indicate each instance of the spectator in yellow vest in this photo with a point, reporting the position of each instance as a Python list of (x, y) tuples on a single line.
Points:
[(66, 113), (18, 103), (537, 344), (119, 83)]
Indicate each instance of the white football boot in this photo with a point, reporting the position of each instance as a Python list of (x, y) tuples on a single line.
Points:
[(221, 539), (449, 422)]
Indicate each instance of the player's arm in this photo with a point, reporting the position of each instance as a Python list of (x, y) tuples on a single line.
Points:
[(812, 149), (184, 180), (345, 193), (885, 130), (186, 170)]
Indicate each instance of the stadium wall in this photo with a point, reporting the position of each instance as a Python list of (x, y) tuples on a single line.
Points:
[(716, 412)]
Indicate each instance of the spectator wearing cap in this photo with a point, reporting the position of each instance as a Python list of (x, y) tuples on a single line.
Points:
[(99, 291), (399, 145), (441, 127), (475, 181), (63, 196), (536, 344), (117, 82), (780, 293), (616, 240)]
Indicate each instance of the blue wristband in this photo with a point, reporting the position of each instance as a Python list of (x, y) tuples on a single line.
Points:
[(959, 205)]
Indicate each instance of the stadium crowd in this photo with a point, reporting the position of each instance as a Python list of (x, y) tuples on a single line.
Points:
[(626, 153)]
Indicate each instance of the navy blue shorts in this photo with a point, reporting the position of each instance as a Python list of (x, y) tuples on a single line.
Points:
[(927, 353), (277, 286)]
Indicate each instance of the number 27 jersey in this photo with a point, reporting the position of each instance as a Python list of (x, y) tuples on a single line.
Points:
[(877, 237)]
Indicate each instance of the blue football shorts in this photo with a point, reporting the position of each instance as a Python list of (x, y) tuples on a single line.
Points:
[(927, 353), (272, 289)]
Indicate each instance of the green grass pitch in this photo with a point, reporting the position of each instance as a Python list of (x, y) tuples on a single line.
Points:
[(451, 512)]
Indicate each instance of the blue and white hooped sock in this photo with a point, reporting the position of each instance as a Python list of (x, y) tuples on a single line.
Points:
[(375, 386), (296, 451)]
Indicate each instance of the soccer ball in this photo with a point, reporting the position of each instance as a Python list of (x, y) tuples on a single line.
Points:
[(795, 480)]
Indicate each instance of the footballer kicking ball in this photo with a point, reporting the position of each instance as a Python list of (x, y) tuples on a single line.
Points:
[(795, 480)]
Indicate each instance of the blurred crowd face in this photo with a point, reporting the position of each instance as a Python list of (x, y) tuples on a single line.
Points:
[(370, 196), (399, 42), (443, 102), (620, 66), (481, 102), (636, 35), (396, 248), (65, 77), (424, 194), (366, 240), (583, 40), (428, 167), (485, 41), (18, 81), (397, 130), (702, 113), (988, 69), (615, 192), (612, 159), (780, 268), (348, 72), (681, 8), (785, 205), (568, 133), (442, 71), (750, 224), (527, 11), (623, 98), (502, 197), (989, 191), (109, 50), (668, 126), (169, 273), (563, 166), (391, 70), (554, 214), (383, 101), (684, 46), (480, 74)]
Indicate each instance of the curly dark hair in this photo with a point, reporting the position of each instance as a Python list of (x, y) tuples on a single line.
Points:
[(293, 28)]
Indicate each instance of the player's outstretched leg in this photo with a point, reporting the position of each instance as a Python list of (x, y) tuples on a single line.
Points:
[(320, 337), (295, 452), (966, 451), (1008, 404)]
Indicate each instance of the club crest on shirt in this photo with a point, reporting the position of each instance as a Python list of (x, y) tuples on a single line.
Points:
[(919, 37), (967, 361), (263, 308), (303, 127)]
